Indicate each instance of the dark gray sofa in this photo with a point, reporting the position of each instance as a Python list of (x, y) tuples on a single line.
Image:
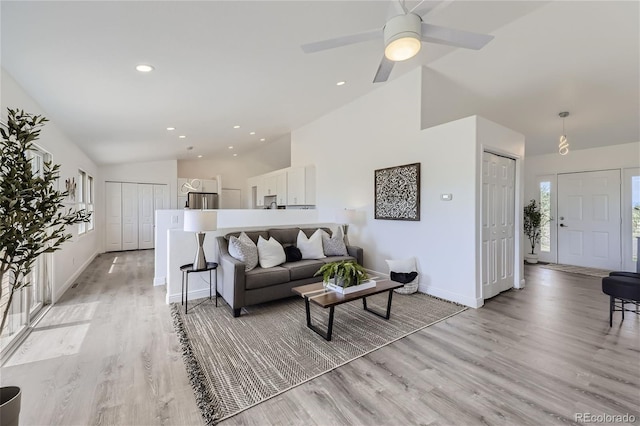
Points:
[(240, 288)]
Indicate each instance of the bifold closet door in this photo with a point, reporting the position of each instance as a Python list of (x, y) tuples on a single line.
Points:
[(145, 216), (129, 216), (113, 192), (160, 197)]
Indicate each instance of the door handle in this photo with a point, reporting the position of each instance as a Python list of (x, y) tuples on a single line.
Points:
[(563, 225)]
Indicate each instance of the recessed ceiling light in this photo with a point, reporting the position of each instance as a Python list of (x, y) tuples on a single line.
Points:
[(262, 139), (235, 155), (144, 68), (340, 83), (182, 136), (252, 133), (236, 127), (199, 156), (230, 147), (171, 128)]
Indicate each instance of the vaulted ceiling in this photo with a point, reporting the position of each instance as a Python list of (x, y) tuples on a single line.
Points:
[(219, 64)]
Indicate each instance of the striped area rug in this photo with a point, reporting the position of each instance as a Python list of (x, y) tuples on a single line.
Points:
[(236, 363), (592, 272)]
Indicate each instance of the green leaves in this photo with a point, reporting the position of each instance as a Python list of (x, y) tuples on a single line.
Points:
[(32, 219), (348, 270), (532, 223)]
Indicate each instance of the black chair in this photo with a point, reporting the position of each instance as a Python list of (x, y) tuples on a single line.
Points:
[(622, 288)]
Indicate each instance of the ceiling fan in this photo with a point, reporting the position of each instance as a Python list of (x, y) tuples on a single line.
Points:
[(403, 35)]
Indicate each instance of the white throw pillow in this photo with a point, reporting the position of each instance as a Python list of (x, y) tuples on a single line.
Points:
[(270, 252), (311, 248), (402, 265), (245, 250), (334, 245)]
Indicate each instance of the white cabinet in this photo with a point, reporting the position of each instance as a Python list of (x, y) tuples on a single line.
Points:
[(281, 189), (270, 183), (294, 186), (261, 191), (267, 185), (301, 185)]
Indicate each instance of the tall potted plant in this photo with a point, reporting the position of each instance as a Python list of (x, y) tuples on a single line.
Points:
[(32, 222), (532, 225)]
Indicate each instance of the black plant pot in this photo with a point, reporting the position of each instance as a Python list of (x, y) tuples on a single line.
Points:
[(10, 405)]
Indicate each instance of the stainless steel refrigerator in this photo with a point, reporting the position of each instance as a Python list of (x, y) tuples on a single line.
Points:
[(202, 200)]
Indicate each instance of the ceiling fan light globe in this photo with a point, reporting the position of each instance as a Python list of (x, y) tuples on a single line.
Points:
[(402, 49), (402, 37)]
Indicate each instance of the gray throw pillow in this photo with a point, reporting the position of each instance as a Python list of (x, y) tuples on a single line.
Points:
[(334, 245), (244, 250)]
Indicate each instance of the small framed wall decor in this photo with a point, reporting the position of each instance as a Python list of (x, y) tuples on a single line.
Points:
[(70, 187), (397, 192)]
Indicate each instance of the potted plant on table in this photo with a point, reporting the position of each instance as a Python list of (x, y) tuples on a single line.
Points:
[(342, 274), (32, 222), (532, 224)]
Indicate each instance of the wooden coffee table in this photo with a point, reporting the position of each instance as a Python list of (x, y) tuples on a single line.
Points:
[(317, 294)]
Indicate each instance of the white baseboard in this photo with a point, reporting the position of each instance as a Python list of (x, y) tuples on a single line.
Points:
[(193, 295), (472, 302), (438, 292), (521, 285), (58, 294), (159, 281)]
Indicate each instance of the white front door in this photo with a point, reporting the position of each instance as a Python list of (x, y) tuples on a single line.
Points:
[(498, 228), (589, 219), (129, 216), (145, 215)]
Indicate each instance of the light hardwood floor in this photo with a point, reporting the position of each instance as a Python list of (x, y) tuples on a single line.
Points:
[(107, 354)]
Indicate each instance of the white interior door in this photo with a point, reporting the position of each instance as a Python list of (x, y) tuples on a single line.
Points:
[(589, 219), (145, 215), (498, 224), (113, 191), (129, 216)]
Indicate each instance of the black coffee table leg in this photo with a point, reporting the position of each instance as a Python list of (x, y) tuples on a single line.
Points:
[(385, 316), (325, 334)]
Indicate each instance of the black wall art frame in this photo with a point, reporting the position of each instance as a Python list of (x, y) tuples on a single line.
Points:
[(397, 192)]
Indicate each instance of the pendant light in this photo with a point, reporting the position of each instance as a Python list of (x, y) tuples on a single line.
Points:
[(563, 145)]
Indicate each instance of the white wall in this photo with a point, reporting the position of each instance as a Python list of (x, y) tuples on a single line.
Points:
[(383, 129), (580, 160), (235, 171), (162, 172), (77, 253)]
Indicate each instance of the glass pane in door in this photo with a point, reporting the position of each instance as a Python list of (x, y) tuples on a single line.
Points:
[(545, 209)]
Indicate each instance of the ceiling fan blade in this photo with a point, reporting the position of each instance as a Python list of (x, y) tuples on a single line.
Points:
[(341, 41), (395, 9), (429, 6), (384, 70), (449, 36)]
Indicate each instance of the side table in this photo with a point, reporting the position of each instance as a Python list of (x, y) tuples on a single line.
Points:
[(186, 270)]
